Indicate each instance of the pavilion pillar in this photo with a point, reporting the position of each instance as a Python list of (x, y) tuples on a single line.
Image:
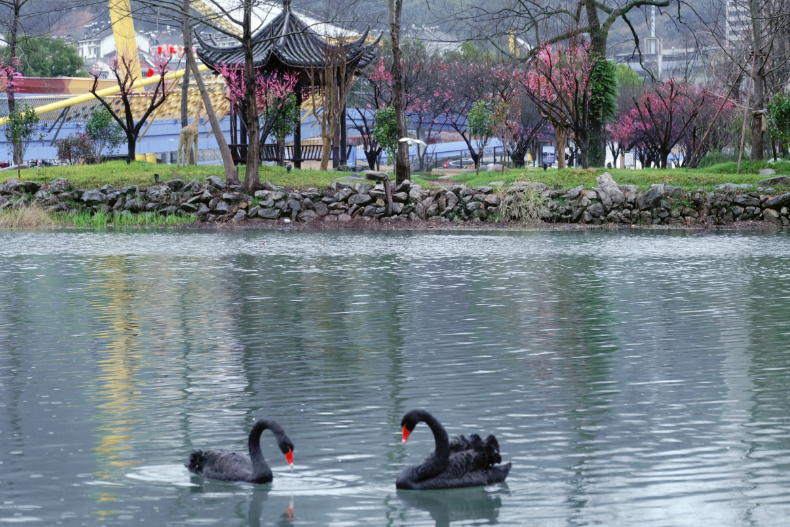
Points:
[(343, 138), (297, 157), (336, 147), (336, 138)]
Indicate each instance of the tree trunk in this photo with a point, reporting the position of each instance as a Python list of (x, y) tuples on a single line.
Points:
[(420, 157), (252, 179), (281, 152), (402, 167), (758, 89), (251, 176), (185, 97), (757, 117), (326, 150), (372, 156), (597, 128), (185, 101), (132, 140), (231, 176), (562, 137), (18, 154)]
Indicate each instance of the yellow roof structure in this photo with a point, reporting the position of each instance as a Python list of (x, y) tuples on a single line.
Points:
[(171, 108)]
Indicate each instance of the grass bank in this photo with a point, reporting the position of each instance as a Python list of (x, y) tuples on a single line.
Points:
[(119, 174), (686, 178)]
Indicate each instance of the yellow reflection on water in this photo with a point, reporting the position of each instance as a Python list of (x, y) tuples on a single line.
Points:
[(118, 395)]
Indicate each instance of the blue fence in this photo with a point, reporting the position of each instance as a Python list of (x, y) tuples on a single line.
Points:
[(161, 139)]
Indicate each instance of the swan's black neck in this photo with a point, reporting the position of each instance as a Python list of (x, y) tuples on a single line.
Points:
[(260, 469), (439, 463)]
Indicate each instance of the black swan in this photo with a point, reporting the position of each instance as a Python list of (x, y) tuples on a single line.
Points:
[(455, 463), (230, 466)]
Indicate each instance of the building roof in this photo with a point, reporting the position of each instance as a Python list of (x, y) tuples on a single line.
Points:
[(288, 42)]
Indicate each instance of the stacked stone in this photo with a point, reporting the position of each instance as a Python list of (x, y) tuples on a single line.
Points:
[(662, 205), (340, 202)]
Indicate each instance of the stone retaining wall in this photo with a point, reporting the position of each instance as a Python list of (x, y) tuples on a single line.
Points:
[(342, 201)]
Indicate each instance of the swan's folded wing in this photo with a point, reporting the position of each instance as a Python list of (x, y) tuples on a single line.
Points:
[(222, 465), (482, 456), (467, 468), (459, 444)]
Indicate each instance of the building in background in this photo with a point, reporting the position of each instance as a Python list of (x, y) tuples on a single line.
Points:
[(738, 26)]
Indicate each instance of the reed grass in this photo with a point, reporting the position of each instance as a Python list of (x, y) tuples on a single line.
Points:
[(522, 207), (25, 218), (83, 219)]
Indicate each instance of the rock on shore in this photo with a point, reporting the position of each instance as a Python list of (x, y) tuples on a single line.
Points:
[(340, 202)]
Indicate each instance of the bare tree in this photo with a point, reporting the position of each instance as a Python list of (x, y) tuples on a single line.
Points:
[(332, 83), (122, 71), (752, 41), (371, 93), (231, 176)]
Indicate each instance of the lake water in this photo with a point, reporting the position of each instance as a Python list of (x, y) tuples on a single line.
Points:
[(633, 378)]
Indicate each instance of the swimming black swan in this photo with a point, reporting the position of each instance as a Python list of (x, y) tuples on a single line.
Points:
[(459, 462), (230, 466)]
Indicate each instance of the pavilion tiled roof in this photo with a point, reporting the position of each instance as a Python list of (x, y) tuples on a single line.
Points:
[(287, 42)]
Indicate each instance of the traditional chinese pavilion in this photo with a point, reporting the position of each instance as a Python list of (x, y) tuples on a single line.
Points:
[(290, 44)]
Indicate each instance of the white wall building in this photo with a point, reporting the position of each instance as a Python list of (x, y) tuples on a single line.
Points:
[(102, 44)]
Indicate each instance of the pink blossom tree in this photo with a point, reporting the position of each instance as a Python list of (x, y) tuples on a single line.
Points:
[(559, 82), (8, 83), (271, 94), (667, 112), (624, 134)]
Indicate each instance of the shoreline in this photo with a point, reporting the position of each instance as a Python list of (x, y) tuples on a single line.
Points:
[(424, 226), (379, 205)]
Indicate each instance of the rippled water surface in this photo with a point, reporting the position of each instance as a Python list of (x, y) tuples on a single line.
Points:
[(631, 378)]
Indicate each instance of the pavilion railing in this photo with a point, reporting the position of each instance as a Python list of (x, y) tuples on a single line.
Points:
[(269, 153)]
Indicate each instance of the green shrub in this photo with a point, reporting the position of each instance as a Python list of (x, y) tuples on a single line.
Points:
[(105, 135), (20, 129), (385, 130), (74, 149)]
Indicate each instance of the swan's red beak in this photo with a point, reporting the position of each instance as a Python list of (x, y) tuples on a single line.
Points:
[(405, 435), (289, 457)]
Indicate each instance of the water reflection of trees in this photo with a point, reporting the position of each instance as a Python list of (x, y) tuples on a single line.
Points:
[(322, 334)]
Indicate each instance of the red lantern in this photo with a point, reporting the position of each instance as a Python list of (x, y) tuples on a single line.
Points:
[(150, 73), (172, 50), (159, 50)]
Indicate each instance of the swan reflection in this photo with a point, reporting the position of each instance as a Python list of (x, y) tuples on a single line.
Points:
[(446, 506), (256, 508)]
